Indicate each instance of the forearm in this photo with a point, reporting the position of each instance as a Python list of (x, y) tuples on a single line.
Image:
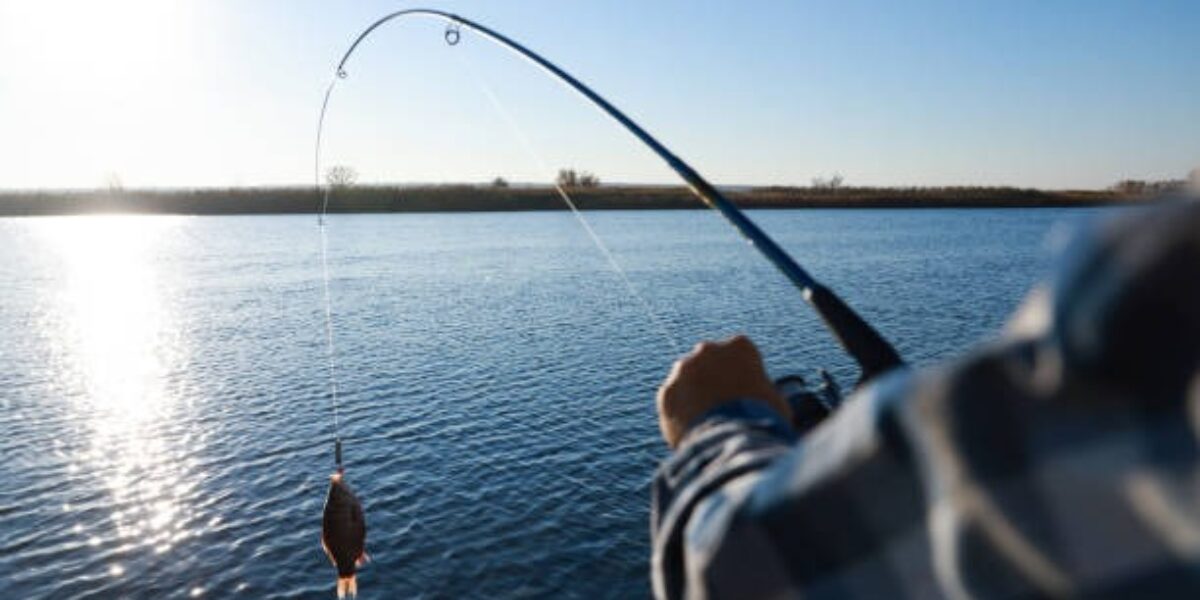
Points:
[(728, 447), (742, 511)]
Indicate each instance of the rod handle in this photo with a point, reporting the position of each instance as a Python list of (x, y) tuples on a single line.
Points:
[(873, 353)]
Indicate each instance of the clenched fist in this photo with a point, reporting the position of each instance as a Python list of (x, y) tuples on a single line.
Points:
[(713, 374)]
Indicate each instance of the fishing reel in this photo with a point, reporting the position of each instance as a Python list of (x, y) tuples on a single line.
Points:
[(810, 405)]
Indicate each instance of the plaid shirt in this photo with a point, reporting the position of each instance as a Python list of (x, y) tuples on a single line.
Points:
[(1060, 461)]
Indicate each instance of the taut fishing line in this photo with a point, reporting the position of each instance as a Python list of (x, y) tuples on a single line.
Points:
[(519, 133), (330, 357)]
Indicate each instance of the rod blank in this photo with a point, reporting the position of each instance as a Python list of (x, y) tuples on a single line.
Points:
[(862, 342)]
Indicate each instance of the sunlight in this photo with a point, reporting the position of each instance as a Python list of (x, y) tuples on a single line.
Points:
[(115, 321), (96, 83), (94, 45), (119, 345)]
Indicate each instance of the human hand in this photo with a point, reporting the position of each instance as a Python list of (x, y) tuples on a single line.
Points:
[(712, 374)]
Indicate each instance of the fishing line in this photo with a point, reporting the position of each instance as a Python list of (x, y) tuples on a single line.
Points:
[(329, 353), (536, 156), (874, 354), (330, 356)]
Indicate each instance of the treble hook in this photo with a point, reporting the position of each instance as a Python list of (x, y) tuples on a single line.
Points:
[(452, 34)]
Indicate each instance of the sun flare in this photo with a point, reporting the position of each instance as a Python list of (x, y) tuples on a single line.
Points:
[(95, 86)]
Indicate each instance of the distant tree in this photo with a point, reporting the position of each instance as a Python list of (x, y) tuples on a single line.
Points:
[(567, 178), (833, 183), (499, 182), (113, 182), (341, 176), (588, 180)]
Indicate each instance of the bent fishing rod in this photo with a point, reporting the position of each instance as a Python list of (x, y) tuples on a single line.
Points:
[(867, 347)]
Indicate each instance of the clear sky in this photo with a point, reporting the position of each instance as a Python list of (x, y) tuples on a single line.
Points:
[(1041, 93)]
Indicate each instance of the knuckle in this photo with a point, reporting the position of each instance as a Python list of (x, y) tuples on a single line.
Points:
[(665, 390), (683, 369)]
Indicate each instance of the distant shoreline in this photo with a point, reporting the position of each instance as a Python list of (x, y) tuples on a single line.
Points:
[(468, 198)]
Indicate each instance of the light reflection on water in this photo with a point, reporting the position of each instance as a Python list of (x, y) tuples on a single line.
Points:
[(163, 396), (119, 343)]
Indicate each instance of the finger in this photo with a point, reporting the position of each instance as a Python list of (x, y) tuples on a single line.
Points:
[(746, 346), (676, 369), (740, 339), (742, 343)]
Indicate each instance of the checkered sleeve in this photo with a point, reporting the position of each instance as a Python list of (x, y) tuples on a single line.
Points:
[(744, 511), (1062, 460), (967, 481), (731, 443)]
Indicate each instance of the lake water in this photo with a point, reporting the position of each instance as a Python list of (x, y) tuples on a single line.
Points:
[(167, 432)]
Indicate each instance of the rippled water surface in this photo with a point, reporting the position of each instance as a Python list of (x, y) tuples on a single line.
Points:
[(167, 433)]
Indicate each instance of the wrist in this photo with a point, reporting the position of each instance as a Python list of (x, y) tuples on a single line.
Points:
[(757, 413)]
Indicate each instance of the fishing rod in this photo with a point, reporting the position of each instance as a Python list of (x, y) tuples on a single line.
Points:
[(863, 343)]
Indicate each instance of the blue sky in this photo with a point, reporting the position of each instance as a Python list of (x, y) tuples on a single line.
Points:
[(217, 92)]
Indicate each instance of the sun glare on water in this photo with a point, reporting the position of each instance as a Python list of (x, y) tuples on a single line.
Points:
[(119, 346), (114, 327)]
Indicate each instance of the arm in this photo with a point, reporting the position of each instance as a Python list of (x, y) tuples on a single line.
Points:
[(742, 510), (1061, 461), (730, 447)]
